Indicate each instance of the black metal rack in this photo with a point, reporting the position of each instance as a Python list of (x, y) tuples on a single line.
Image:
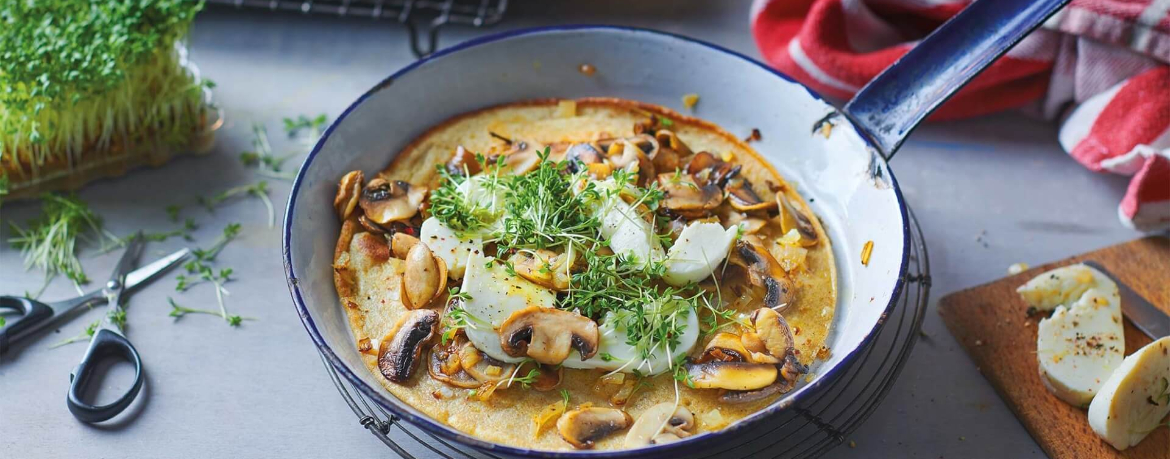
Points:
[(808, 429), (421, 17)]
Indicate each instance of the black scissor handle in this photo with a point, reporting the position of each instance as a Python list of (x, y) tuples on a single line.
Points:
[(32, 313), (106, 343)]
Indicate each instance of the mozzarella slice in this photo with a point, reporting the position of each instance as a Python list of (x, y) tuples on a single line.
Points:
[(620, 355), (1133, 401), (1083, 342), (495, 295), (627, 232), (700, 248), (1062, 286), (447, 245)]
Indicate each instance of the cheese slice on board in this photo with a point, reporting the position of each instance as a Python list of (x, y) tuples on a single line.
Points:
[(1083, 342), (1136, 398)]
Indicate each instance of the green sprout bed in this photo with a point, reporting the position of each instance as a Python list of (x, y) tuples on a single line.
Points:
[(82, 79)]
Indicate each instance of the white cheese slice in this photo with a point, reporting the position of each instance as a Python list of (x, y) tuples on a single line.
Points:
[(1062, 286), (1083, 342), (627, 232), (614, 353), (447, 245), (495, 295), (700, 248), (1135, 399)]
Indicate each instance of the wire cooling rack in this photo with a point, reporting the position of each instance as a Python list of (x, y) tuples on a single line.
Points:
[(808, 429), (421, 17)]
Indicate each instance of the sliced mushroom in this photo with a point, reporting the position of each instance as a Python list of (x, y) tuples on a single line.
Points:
[(424, 278), (632, 158), (462, 163), (391, 201), (483, 367), (583, 427), (581, 155), (731, 375), (398, 354), (789, 372), (687, 199), (401, 243), (671, 151), (521, 157), (724, 347), (543, 267), (751, 396), (547, 335), (765, 272), (773, 336), (797, 216), (613, 147), (372, 227), (756, 349), (752, 225), (661, 423), (650, 125), (743, 197), (774, 332), (446, 365), (349, 191), (707, 169), (586, 157)]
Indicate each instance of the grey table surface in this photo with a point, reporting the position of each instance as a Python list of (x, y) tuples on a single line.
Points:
[(989, 192)]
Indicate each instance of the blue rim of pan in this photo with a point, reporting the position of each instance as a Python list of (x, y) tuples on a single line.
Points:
[(413, 416)]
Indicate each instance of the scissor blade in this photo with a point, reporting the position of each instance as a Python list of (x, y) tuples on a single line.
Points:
[(129, 257), (1147, 318), (147, 273)]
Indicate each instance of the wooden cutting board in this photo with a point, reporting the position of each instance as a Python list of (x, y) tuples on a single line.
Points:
[(990, 323)]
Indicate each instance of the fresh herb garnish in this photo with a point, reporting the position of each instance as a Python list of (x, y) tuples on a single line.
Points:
[(267, 163), (551, 208), (311, 127), (258, 189), (178, 311), (50, 243), (200, 271), (527, 380), (85, 335), (79, 77)]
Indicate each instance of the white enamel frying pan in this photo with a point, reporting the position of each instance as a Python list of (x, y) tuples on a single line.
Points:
[(845, 178)]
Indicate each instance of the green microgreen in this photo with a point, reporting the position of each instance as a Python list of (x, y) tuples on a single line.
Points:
[(178, 311), (468, 205), (85, 335), (50, 242), (200, 271), (565, 396), (527, 380), (258, 189), (80, 77), (311, 128), (551, 208), (267, 163), (680, 373)]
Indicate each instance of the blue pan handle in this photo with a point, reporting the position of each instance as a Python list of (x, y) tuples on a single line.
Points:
[(891, 105)]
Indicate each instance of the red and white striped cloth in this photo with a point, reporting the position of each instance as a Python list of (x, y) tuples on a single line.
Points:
[(1102, 67)]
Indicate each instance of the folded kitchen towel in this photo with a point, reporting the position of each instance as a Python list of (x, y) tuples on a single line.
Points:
[(1102, 67)]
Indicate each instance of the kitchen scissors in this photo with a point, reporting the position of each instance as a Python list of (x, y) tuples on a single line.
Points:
[(108, 340)]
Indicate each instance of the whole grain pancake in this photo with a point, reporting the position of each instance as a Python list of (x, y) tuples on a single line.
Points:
[(777, 257)]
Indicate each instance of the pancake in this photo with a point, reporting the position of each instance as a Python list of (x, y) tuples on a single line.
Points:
[(370, 270)]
